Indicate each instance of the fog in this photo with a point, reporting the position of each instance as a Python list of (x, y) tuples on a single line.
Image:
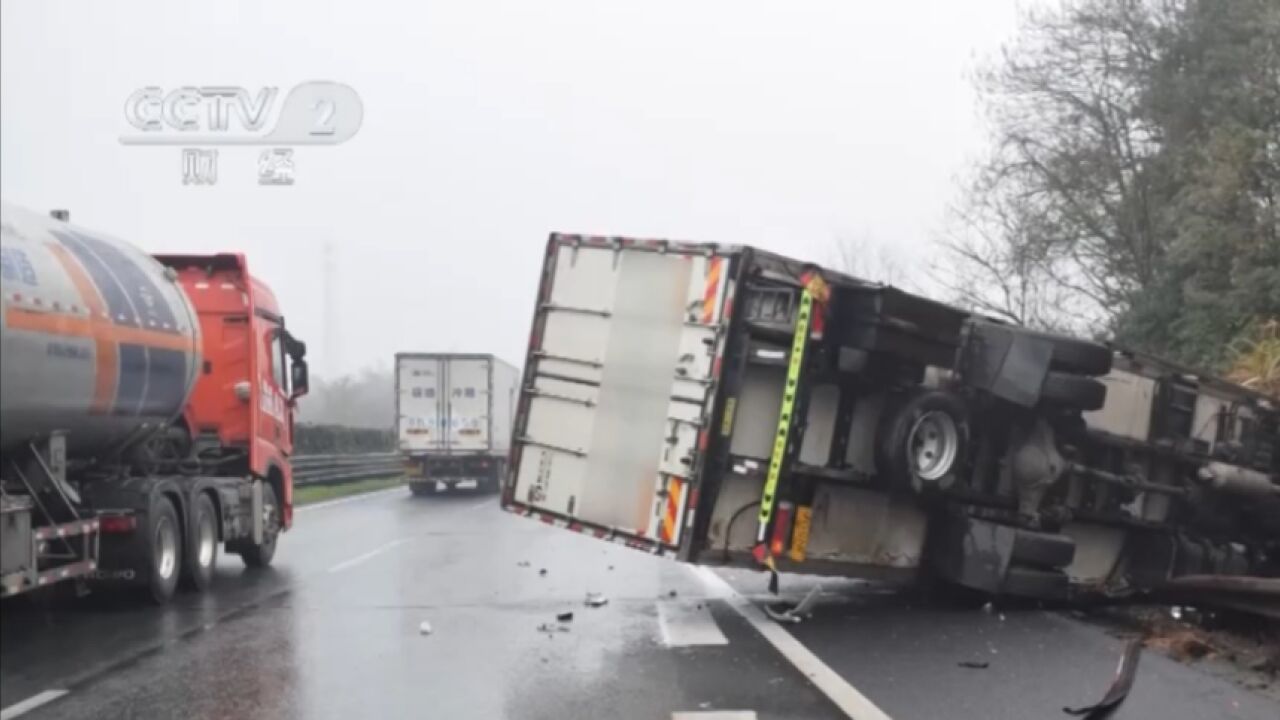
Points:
[(488, 125)]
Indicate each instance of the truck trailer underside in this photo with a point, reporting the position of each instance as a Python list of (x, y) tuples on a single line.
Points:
[(730, 406)]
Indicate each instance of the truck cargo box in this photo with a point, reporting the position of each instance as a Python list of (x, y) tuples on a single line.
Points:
[(727, 405)]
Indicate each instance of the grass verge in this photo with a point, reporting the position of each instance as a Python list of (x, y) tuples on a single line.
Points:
[(316, 493)]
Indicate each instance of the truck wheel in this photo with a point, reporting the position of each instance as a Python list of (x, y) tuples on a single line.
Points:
[(1073, 391), (419, 489), (925, 440), (165, 551), (258, 556), (202, 549)]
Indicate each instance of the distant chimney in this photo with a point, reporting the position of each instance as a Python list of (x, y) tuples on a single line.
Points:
[(63, 215)]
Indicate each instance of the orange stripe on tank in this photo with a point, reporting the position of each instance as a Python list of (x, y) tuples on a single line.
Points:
[(709, 295), (106, 354), (95, 329)]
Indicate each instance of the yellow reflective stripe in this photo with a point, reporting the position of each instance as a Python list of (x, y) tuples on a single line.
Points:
[(800, 533), (794, 364)]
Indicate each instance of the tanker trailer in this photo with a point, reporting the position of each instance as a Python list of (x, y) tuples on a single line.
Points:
[(146, 409)]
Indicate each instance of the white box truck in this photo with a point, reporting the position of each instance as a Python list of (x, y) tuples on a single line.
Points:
[(453, 418), (727, 405)]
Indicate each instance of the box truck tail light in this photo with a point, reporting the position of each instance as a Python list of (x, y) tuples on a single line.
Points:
[(118, 523), (781, 528)]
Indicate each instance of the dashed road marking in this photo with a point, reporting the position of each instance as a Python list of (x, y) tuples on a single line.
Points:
[(684, 625), (845, 696), (366, 556), (31, 703)]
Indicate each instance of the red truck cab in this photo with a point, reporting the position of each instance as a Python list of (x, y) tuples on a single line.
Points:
[(252, 371)]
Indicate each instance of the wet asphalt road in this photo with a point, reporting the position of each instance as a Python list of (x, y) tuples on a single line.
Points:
[(334, 630)]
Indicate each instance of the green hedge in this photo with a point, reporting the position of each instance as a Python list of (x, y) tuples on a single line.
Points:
[(309, 439)]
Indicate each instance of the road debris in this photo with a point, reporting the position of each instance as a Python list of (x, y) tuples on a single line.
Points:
[(801, 611), (424, 628), (550, 628), (974, 664), (542, 571), (1120, 685), (523, 563), (565, 617), (671, 593), (596, 600)]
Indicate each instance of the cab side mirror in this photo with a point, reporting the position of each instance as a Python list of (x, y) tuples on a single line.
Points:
[(298, 378)]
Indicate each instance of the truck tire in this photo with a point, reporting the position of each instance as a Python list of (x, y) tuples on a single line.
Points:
[(1043, 550), (924, 441), (164, 551), (260, 556), (202, 546), (1073, 391), (419, 489)]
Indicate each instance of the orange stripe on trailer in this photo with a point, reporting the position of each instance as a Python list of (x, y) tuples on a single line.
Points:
[(712, 289), (92, 328), (106, 354), (675, 489)]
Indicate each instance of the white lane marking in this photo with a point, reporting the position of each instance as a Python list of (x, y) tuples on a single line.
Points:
[(684, 625), (371, 554), (714, 715), (845, 696), (345, 500), (482, 503), (31, 703)]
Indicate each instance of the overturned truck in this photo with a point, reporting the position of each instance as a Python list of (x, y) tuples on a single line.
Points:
[(729, 406)]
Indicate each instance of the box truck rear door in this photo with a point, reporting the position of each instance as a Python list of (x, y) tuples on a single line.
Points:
[(468, 404), (419, 422), (620, 383)]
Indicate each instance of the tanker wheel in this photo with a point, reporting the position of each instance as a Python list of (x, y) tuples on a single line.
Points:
[(165, 551), (258, 556), (202, 550), (421, 488)]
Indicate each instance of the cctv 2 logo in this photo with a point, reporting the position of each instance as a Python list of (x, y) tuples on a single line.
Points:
[(313, 113)]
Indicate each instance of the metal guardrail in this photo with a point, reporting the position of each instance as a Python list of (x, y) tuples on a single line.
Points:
[(335, 469)]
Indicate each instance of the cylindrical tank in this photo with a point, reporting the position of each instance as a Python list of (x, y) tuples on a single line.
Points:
[(96, 337)]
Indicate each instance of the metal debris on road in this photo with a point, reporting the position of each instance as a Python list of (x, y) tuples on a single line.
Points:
[(424, 628), (974, 664), (565, 617), (802, 611), (1120, 685), (596, 600)]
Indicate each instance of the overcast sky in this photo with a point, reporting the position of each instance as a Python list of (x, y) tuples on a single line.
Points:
[(488, 125)]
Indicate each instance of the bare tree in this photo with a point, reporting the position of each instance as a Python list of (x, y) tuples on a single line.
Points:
[(863, 257)]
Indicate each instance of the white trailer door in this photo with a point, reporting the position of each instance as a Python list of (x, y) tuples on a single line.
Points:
[(468, 404), (421, 417), (623, 354)]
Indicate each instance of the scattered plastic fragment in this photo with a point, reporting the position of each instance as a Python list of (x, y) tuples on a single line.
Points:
[(565, 617), (974, 664), (424, 628), (596, 600)]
